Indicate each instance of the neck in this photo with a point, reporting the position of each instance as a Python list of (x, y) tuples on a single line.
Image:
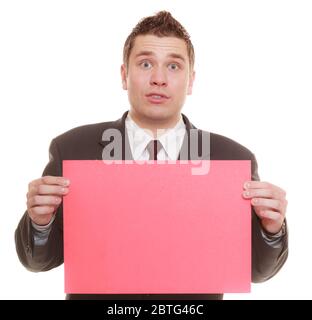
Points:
[(153, 125)]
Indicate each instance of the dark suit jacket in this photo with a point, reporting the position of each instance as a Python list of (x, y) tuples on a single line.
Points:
[(85, 143)]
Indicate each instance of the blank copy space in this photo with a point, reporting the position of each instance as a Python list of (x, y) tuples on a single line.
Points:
[(156, 228)]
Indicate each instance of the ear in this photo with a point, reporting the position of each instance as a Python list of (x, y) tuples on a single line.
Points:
[(191, 82), (123, 71)]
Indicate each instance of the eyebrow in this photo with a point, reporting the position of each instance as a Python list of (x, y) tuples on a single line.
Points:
[(151, 53)]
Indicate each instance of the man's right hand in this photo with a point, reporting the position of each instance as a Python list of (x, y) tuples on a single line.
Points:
[(44, 197)]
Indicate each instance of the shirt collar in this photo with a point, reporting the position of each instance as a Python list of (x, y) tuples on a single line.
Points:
[(171, 139)]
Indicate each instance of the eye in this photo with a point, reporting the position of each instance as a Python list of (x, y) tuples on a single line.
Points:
[(145, 64), (173, 66)]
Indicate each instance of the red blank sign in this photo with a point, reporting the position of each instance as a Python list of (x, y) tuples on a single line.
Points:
[(156, 228)]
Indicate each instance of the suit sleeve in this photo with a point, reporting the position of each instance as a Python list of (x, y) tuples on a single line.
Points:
[(266, 260), (50, 255)]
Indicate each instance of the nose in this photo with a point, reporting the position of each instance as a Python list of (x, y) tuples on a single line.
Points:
[(158, 78)]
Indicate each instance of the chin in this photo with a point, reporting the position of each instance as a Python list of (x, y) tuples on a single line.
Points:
[(158, 112), (159, 116)]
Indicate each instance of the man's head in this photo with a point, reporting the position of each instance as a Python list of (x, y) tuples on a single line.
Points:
[(157, 69)]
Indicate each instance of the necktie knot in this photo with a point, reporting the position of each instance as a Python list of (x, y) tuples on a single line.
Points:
[(153, 148)]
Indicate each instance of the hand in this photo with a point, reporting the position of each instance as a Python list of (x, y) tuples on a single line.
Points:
[(269, 203), (44, 197)]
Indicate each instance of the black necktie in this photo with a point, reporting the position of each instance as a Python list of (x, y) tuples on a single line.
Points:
[(153, 148)]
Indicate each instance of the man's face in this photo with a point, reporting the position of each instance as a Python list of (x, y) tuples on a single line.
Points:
[(158, 78)]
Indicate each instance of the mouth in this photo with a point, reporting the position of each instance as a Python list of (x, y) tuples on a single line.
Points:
[(157, 98)]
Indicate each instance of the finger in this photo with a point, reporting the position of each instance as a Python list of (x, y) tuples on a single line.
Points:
[(61, 181), (42, 210), (47, 190), (257, 185), (269, 214), (268, 203), (262, 193), (263, 185), (43, 200), (51, 180)]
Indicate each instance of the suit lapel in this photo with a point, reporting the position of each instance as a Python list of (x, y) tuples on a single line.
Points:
[(120, 127), (196, 143)]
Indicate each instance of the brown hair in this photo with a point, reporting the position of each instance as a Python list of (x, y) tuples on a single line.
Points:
[(162, 25)]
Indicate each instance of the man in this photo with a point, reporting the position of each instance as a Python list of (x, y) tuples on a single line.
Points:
[(158, 73)]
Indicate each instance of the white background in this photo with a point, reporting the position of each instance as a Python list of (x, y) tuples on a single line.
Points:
[(59, 68)]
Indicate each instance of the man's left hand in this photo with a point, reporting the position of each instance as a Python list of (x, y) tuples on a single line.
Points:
[(269, 202)]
